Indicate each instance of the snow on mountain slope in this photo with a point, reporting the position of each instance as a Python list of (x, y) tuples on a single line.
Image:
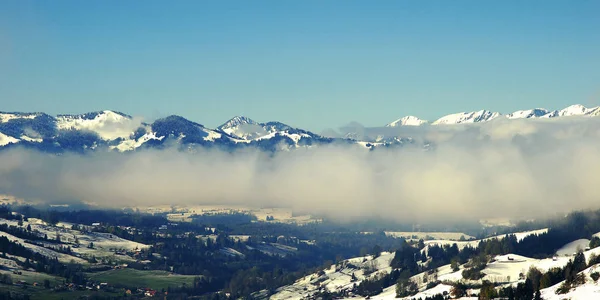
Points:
[(109, 125), (187, 131), (502, 270), (527, 114), (237, 121), (337, 277), (464, 117), (65, 258), (5, 116), (589, 290), (475, 243), (132, 144), (293, 136), (593, 112), (30, 139), (247, 129), (506, 268), (243, 127), (103, 242), (407, 121), (5, 139), (485, 115), (574, 110), (573, 246)]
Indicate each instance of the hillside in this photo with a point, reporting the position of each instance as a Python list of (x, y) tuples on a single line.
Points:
[(508, 270)]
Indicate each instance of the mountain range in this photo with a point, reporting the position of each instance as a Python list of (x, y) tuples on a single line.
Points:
[(486, 115), (117, 131)]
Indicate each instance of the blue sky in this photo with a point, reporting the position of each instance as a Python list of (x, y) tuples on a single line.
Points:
[(312, 64)]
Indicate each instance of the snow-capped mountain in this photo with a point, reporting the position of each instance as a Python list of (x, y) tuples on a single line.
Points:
[(115, 131), (243, 128), (5, 117), (574, 110), (467, 117), (109, 125), (528, 114), (486, 115), (247, 129), (407, 121), (593, 112)]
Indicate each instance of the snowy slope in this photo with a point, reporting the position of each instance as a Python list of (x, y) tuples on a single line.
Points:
[(293, 136), (132, 144), (119, 132), (5, 139), (485, 115), (247, 129), (335, 278), (109, 125), (528, 114), (65, 258), (407, 121), (5, 116), (475, 243), (593, 112), (243, 128), (589, 290), (467, 117), (573, 246), (103, 242), (574, 110)]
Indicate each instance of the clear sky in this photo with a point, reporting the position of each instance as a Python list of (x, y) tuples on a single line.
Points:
[(312, 64)]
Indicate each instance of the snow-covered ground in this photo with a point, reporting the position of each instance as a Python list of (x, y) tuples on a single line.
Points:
[(504, 269), (409, 235), (5, 117), (65, 258), (132, 144), (337, 277), (104, 244), (462, 244), (589, 290), (5, 139), (573, 246)]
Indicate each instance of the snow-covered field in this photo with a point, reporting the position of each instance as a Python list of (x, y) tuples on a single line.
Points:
[(573, 246), (65, 258), (474, 243), (184, 213), (104, 244), (589, 290), (504, 269), (337, 277), (414, 235)]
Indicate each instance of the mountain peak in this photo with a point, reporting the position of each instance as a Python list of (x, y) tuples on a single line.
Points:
[(467, 117), (237, 121), (573, 110), (97, 115), (528, 114), (407, 121)]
